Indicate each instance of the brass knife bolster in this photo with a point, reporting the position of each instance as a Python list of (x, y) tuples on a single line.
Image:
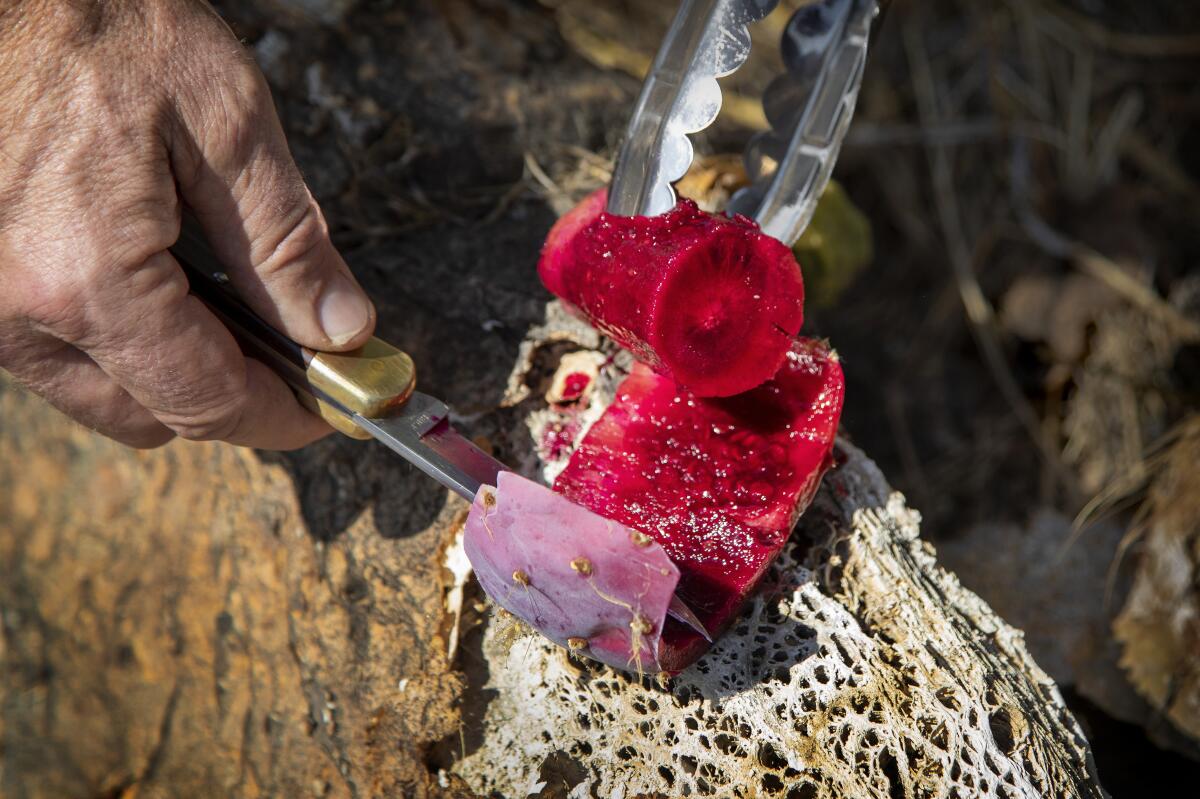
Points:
[(371, 381)]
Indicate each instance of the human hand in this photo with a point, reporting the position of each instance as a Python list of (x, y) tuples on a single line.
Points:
[(111, 115)]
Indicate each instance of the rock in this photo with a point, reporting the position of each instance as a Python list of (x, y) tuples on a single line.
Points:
[(169, 626)]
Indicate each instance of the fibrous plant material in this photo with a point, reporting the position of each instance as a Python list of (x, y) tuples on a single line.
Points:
[(705, 299), (719, 483), (585, 582)]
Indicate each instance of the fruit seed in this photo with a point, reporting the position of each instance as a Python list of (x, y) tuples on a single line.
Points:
[(577, 643), (639, 538), (520, 577), (582, 565)]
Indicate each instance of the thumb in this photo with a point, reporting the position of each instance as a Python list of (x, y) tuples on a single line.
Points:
[(235, 172)]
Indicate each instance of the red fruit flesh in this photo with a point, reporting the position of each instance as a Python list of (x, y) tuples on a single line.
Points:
[(719, 483), (574, 386), (706, 299)]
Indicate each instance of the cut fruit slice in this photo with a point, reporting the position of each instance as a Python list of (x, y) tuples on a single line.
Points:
[(706, 299), (587, 583), (719, 483)]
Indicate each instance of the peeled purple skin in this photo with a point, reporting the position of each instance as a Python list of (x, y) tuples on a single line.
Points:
[(595, 586)]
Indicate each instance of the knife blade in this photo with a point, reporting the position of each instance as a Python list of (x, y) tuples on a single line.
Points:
[(421, 433)]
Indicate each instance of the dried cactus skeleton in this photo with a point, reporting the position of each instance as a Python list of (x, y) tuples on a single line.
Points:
[(861, 669)]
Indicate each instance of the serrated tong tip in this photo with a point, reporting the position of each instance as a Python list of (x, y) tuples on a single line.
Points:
[(808, 107), (708, 39)]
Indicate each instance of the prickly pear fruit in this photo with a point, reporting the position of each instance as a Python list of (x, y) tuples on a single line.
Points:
[(587, 583), (706, 299), (719, 483)]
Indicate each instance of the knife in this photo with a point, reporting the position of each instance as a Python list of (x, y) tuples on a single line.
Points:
[(366, 393), (371, 392)]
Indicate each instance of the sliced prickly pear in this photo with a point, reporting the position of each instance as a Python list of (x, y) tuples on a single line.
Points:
[(585, 582), (718, 482), (706, 299)]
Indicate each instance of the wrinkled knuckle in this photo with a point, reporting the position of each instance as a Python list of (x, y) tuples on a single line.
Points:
[(292, 246), (213, 420), (156, 284), (17, 347), (140, 234), (114, 412), (58, 305), (240, 108), (246, 81)]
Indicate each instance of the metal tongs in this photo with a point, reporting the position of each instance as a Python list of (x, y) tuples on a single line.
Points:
[(808, 108)]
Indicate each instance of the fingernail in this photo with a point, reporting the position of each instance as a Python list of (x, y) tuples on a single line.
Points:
[(343, 310)]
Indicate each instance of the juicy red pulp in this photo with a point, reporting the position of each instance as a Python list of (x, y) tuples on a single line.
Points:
[(574, 385), (719, 483), (707, 299)]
